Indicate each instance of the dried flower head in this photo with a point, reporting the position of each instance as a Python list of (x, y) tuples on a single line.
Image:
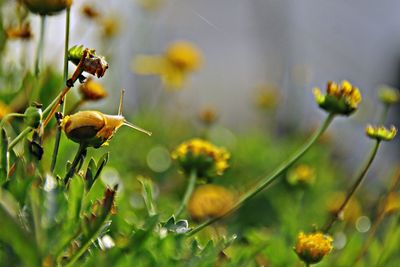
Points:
[(23, 32), (179, 59), (340, 99), (381, 133), (389, 95), (203, 157), (210, 201), (301, 175), (92, 90), (47, 7), (88, 60), (311, 248)]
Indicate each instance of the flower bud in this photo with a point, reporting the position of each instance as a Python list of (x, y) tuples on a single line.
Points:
[(381, 133), (311, 248), (203, 157), (340, 99), (47, 7), (301, 175), (389, 95), (33, 116)]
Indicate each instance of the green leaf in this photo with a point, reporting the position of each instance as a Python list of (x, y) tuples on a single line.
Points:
[(75, 196), (22, 242), (101, 164), (147, 193)]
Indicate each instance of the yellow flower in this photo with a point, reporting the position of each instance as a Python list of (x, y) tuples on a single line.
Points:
[(4, 110), (203, 157), (92, 90), (47, 7), (302, 174), (351, 212), (179, 59), (210, 201), (389, 95), (381, 133), (110, 27), (150, 5), (392, 203), (267, 96), (311, 248), (23, 32), (208, 115), (341, 98)]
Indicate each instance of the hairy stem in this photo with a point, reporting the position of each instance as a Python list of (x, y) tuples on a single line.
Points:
[(268, 180)]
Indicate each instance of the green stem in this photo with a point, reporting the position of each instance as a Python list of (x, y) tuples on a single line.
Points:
[(63, 104), (21, 241), (34, 199), (353, 189), (87, 242), (9, 116), (384, 114), (268, 180), (39, 50), (188, 193), (75, 162), (25, 132)]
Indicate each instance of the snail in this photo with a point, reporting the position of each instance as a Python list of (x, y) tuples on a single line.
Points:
[(92, 128)]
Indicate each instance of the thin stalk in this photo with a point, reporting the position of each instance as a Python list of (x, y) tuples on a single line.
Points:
[(379, 218), (36, 217), (86, 244), (353, 189), (384, 114), (268, 180), (77, 159), (9, 116), (63, 104), (39, 50), (19, 137), (188, 193)]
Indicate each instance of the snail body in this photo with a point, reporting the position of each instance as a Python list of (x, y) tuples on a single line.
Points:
[(94, 128)]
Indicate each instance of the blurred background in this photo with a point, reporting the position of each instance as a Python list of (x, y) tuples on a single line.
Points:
[(289, 45)]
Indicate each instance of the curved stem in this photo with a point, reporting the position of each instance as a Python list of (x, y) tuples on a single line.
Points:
[(39, 50), (188, 193), (25, 132), (81, 151), (9, 116), (268, 180), (352, 190), (63, 104), (379, 218)]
